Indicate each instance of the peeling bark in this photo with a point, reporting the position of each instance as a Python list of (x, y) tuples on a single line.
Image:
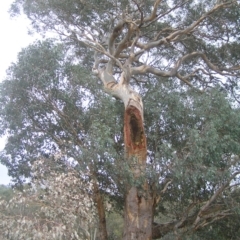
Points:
[(134, 135)]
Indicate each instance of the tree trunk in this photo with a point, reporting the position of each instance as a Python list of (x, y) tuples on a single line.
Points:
[(138, 200), (137, 216), (98, 199)]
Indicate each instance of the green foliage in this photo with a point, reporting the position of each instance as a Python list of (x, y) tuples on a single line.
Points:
[(215, 36), (49, 102), (192, 136), (115, 226), (5, 192), (192, 141), (43, 95)]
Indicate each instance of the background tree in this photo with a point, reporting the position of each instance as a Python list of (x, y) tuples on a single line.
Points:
[(53, 206), (193, 143), (6, 192), (47, 85)]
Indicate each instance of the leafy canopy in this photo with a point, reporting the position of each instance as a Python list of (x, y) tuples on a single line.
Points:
[(183, 59), (192, 41), (193, 138)]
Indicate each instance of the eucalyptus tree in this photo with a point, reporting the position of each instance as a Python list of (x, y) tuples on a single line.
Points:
[(131, 46)]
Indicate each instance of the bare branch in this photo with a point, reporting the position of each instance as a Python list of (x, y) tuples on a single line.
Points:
[(184, 79), (117, 30), (173, 37), (125, 41), (148, 69), (166, 186), (173, 72), (139, 80), (214, 217), (154, 12), (213, 198), (99, 48)]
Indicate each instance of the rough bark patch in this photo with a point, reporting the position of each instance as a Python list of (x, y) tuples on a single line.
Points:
[(135, 139), (138, 216)]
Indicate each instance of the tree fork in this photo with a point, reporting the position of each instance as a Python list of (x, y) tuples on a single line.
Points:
[(138, 202)]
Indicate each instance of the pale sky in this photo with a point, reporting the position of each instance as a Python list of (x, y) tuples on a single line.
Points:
[(14, 37)]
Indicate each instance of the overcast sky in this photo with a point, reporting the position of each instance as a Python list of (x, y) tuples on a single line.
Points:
[(14, 37)]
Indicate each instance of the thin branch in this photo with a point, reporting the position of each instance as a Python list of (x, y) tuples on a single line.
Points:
[(100, 49), (154, 12), (166, 186), (214, 217), (167, 12), (139, 80), (184, 79), (141, 12)]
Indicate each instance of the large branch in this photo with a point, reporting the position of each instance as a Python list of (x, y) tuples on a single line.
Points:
[(143, 69), (117, 30), (173, 72), (160, 230), (208, 213), (213, 198), (126, 40), (173, 37), (132, 27), (213, 213)]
